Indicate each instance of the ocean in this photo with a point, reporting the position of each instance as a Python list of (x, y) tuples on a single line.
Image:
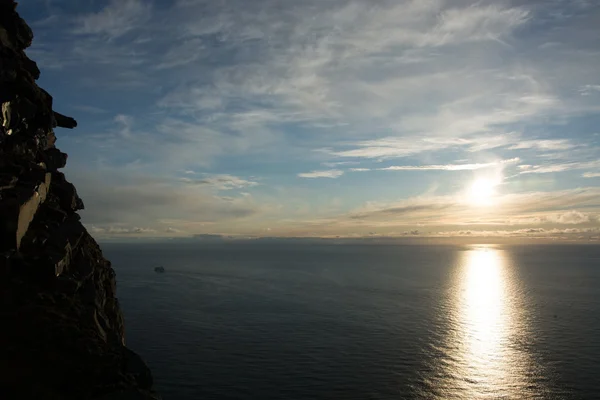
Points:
[(324, 321)]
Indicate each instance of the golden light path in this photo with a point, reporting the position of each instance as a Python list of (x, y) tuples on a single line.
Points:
[(483, 315), (486, 362)]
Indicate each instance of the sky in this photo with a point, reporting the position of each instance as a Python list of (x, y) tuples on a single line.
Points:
[(328, 118)]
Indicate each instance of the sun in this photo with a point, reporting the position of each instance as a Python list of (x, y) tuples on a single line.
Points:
[(482, 191)]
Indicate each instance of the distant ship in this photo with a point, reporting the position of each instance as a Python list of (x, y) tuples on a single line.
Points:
[(160, 269)]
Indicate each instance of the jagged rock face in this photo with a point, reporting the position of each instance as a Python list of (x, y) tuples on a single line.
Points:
[(62, 330)]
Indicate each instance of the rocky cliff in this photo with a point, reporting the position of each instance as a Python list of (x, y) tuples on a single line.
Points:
[(61, 328)]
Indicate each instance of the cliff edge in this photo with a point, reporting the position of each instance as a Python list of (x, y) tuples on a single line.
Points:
[(61, 327)]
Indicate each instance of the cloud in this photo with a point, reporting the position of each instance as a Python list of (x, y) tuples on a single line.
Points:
[(347, 85), (550, 168), (360, 169), (46, 57), (430, 212), (540, 233), (591, 175), (172, 144), (186, 52), (338, 163), (293, 73), (221, 182), (476, 24), (332, 173), (559, 144), (588, 90), (119, 230), (126, 122), (114, 20), (392, 147), (572, 217), (192, 99), (246, 68), (449, 167), (89, 109), (395, 147), (128, 201), (404, 209)]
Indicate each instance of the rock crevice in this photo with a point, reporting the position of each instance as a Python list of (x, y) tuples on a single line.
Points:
[(62, 329)]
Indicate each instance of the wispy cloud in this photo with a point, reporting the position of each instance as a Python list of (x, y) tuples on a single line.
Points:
[(221, 182), (328, 87), (476, 24), (332, 173), (360, 169), (89, 109), (559, 144), (549, 168), (449, 167), (119, 230), (393, 147), (532, 233), (544, 209), (588, 90), (187, 52), (397, 147), (114, 20), (138, 200)]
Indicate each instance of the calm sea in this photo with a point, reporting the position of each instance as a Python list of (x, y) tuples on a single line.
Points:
[(297, 321)]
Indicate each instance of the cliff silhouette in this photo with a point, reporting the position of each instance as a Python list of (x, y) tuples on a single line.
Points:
[(61, 327)]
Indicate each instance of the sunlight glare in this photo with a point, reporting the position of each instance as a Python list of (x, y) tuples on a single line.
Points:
[(484, 317), (482, 191)]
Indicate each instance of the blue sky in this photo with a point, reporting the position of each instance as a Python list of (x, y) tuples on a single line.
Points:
[(328, 118)]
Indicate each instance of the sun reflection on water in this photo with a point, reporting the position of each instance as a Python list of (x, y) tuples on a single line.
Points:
[(481, 360), (484, 319)]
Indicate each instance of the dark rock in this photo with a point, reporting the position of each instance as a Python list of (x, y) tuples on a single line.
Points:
[(60, 258), (33, 174), (64, 121), (31, 67), (50, 140), (17, 212), (25, 109), (17, 30), (9, 216), (100, 326), (67, 285), (55, 159), (62, 333), (8, 73), (10, 116), (66, 193), (4, 270), (136, 367), (7, 181)]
